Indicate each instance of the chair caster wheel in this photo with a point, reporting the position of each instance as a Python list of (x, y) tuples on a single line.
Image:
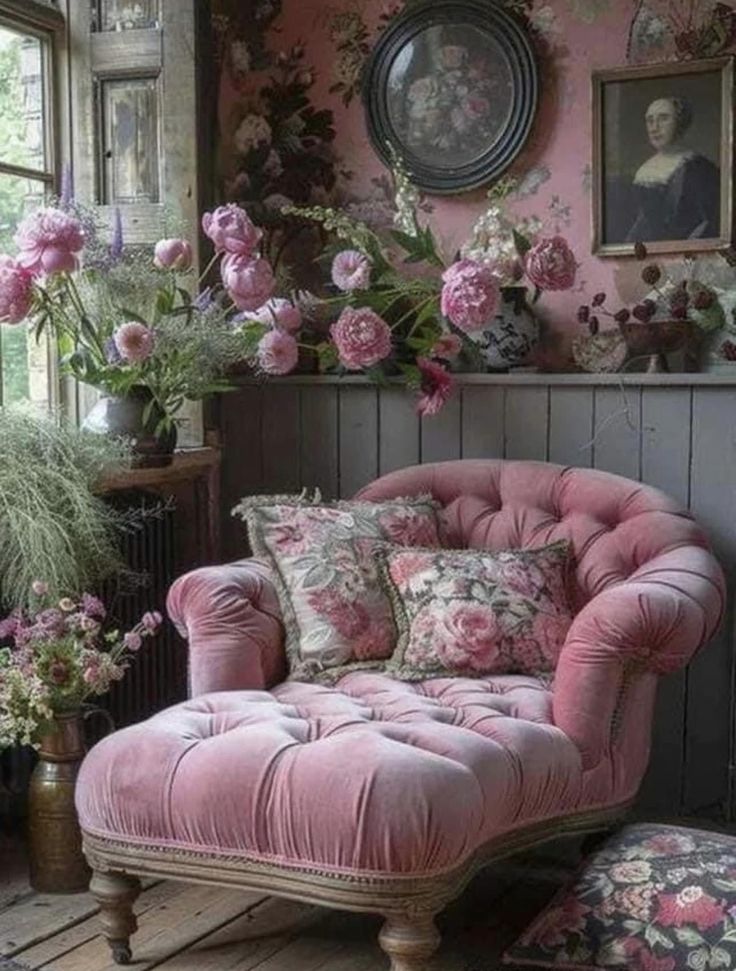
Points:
[(121, 953)]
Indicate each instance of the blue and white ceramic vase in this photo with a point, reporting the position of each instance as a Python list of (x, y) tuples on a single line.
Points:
[(513, 333)]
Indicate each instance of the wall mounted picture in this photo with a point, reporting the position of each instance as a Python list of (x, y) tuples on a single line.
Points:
[(451, 87), (663, 157)]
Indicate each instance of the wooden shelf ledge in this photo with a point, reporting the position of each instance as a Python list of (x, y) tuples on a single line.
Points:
[(189, 464), (536, 378)]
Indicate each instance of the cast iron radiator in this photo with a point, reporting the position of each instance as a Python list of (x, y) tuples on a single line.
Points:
[(157, 677)]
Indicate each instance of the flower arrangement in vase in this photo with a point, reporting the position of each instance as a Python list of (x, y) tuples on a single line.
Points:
[(123, 321), (395, 306), (674, 315), (60, 657)]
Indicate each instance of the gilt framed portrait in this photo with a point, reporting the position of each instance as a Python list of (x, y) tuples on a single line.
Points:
[(663, 157), (451, 87)]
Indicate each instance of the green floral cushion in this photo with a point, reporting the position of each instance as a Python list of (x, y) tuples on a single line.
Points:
[(473, 612), (336, 613), (652, 898)]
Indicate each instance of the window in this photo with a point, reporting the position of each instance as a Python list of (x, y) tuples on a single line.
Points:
[(27, 169)]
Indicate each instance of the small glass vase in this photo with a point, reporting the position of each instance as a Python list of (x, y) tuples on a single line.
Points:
[(56, 862), (123, 416)]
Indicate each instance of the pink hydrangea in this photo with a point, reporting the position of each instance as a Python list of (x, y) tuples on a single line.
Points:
[(435, 387), (279, 313), (278, 352), (550, 264), (351, 270), (231, 230), (361, 337), (469, 295), (133, 342), (172, 254), (16, 291), (249, 282), (49, 241), (447, 347)]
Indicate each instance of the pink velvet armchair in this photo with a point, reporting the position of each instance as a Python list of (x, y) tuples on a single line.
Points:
[(380, 795)]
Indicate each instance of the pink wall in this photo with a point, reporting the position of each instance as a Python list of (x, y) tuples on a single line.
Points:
[(573, 38)]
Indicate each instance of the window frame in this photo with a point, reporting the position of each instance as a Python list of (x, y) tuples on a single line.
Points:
[(48, 24)]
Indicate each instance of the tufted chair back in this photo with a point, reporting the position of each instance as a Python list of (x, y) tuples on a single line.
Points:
[(616, 526)]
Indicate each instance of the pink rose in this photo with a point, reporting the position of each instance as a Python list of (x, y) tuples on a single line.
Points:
[(435, 387), (231, 230), (279, 313), (172, 254), (16, 291), (133, 342), (361, 337), (278, 352), (550, 265), (49, 240), (351, 270), (469, 295), (249, 282), (446, 347), (468, 636)]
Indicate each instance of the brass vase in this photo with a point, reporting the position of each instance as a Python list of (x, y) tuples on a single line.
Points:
[(57, 864)]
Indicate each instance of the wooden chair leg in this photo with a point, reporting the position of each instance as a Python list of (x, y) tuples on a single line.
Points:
[(409, 942), (116, 893)]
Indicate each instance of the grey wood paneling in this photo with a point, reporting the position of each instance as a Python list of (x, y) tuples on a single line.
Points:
[(571, 419), (672, 434), (318, 442), (358, 438)]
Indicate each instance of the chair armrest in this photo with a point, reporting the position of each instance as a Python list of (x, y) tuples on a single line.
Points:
[(653, 622), (230, 614)]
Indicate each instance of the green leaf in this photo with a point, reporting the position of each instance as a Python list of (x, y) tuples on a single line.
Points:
[(131, 315), (522, 243), (652, 935)]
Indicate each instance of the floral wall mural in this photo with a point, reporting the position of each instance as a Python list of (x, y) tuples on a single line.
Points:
[(291, 126)]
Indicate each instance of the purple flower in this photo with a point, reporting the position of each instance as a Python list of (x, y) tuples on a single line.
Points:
[(93, 606), (132, 641), (204, 300), (351, 270), (134, 342), (151, 620)]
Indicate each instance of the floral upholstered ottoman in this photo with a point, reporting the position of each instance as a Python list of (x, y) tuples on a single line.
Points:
[(651, 898)]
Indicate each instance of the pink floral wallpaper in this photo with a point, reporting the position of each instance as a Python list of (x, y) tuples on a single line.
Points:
[(291, 123)]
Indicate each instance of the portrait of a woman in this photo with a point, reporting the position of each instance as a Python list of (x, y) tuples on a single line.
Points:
[(663, 149), (677, 190)]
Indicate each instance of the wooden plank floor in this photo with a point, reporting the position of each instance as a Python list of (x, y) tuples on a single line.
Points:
[(191, 928)]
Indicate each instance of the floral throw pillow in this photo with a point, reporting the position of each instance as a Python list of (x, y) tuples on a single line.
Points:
[(474, 612), (336, 612), (652, 898)]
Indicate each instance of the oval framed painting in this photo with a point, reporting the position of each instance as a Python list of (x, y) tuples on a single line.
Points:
[(451, 86)]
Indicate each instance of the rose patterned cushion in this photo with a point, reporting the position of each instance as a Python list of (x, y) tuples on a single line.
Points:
[(336, 613), (652, 898), (472, 612)]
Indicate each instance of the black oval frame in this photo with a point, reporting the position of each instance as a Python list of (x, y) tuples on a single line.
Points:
[(509, 35)]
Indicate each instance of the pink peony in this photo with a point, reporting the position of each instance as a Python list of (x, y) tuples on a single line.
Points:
[(446, 347), (15, 291), (172, 254), (435, 387), (49, 240), (351, 270), (278, 352), (468, 636), (280, 313), (249, 282), (133, 342), (550, 265), (361, 337), (469, 295), (231, 230)]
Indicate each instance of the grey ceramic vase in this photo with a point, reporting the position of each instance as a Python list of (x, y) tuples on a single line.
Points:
[(122, 417), (513, 332)]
